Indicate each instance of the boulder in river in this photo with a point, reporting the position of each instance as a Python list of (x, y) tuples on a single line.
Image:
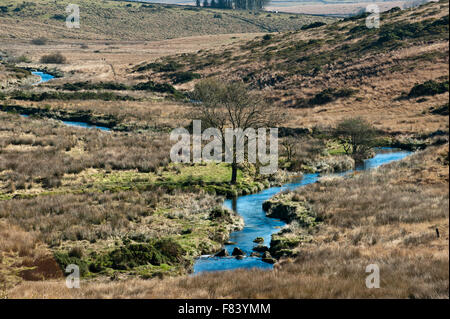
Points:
[(222, 253), (258, 240), (261, 248), (237, 252), (255, 254), (267, 258), (229, 243), (239, 257)]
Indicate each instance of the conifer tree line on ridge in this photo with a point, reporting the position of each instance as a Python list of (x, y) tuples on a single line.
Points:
[(233, 4)]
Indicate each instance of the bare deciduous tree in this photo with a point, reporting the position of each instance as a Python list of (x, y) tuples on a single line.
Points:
[(357, 136), (290, 144), (230, 105)]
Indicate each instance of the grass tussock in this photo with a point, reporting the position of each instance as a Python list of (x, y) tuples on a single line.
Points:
[(315, 72), (355, 232), (36, 152), (118, 20), (23, 257), (124, 233), (55, 58)]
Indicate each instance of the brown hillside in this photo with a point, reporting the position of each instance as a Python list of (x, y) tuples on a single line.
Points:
[(370, 68)]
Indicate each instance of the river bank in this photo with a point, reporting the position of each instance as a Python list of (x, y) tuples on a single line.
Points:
[(385, 216), (266, 226)]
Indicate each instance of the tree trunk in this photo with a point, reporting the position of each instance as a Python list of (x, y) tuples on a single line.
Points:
[(234, 168)]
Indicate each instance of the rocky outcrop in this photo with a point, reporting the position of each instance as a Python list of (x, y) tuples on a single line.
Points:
[(260, 248), (267, 258), (331, 164), (237, 252), (222, 253), (258, 240), (288, 208)]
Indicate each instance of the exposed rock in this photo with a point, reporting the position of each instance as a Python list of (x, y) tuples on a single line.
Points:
[(255, 254), (229, 243), (222, 253), (258, 240), (335, 164), (282, 246), (261, 248), (267, 258), (237, 252), (288, 209), (239, 257)]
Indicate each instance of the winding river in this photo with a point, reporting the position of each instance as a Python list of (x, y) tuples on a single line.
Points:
[(250, 208), (258, 225), (45, 77)]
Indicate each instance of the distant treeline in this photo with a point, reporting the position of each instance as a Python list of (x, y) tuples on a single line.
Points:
[(233, 4)]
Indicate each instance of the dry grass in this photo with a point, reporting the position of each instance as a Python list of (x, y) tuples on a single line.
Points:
[(325, 273), (95, 217), (388, 216), (333, 9), (22, 256), (110, 61), (413, 261), (44, 151), (282, 67), (397, 194), (113, 20), (379, 77), (89, 227)]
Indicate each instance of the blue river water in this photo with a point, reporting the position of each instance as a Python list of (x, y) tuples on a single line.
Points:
[(80, 124), (85, 125), (258, 225), (47, 77), (250, 208)]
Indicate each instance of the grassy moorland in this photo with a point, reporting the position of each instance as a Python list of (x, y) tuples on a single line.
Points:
[(99, 199), (340, 8), (131, 21), (108, 201), (325, 73), (388, 216), (114, 204), (116, 34), (142, 234), (44, 157)]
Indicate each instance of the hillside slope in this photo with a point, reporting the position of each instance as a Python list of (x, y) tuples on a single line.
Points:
[(330, 72), (131, 21)]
